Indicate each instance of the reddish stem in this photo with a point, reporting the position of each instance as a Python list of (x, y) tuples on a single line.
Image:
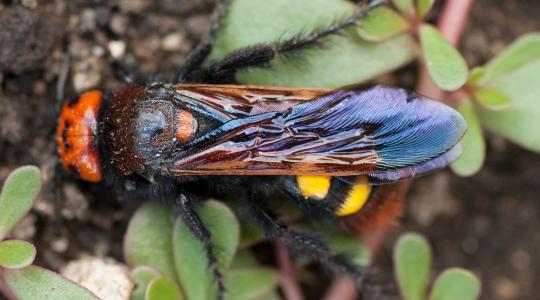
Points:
[(342, 288), (289, 284), (452, 20)]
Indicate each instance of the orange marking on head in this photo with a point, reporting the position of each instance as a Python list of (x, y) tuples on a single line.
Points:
[(186, 125), (75, 136)]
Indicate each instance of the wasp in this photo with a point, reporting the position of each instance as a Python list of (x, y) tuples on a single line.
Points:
[(205, 136)]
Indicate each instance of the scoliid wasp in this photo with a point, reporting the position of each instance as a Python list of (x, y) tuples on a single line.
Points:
[(204, 137)]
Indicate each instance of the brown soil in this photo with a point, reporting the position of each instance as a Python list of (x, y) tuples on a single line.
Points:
[(487, 223)]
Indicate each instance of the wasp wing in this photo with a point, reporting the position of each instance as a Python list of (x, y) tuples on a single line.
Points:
[(383, 132)]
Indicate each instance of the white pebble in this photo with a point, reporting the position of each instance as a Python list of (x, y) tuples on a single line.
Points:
[(117, 49)]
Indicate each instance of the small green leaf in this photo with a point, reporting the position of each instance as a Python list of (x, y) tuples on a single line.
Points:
[(351, 246), (382, 24), (476, 75), (345, 60), (412, 259), (35, 283), (445, 65), (244, 259), (148, 240), (456, 284), (249, 234), (405, 6), (190, 256), (250, 284), (270, 296), (521, 121), (16, 254), (522, 52), (423, 7), (163, 288), (142, 275), (492, 99), (18, 195), (474, 150)]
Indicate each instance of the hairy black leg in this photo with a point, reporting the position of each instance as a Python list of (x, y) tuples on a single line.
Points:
[(201, 52), (224, 71), (299, 243), (197, 227)]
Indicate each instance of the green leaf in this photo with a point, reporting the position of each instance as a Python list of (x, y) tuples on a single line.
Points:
[(445, 65), (382, 24), (345, 60), (405, 6), (16, 254), (521, 121), (474, 150), (270, 296), (163, 288), (456, 284), (35, 283), (423, 7), (351, 246), (190, 256), (148, 240), (142, 275), (492, 99), (244, 259), (249, 234), (250, 284), (476, 75), (522, 52), (412, 259), (18, 195)]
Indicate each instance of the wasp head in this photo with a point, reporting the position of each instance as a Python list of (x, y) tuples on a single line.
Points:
[(76, 136)]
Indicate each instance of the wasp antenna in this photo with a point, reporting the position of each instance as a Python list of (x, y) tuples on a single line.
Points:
[(58, 179), (61, 83), (203, 49)]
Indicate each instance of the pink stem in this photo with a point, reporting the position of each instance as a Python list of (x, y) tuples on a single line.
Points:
[(289, 284), (342, 288), (452, 20)]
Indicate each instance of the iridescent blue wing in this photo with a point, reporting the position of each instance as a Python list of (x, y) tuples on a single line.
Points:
[(383, 132)]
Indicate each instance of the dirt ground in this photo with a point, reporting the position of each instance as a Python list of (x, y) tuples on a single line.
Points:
[(488, 223)]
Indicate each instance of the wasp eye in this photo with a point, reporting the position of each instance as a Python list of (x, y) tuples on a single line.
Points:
[(150, 124)]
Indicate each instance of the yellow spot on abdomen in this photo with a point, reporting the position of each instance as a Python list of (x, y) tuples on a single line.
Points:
[(356, 198), (313, 186)]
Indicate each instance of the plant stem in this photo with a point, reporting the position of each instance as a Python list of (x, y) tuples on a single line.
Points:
[(452, 20), (289, 284), (342, 288)]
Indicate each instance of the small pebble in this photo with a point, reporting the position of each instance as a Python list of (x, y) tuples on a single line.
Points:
[(117, 49), (119, 24), (506, 288), (59, 245), (173, 42), (87, 22), (98, 51), (106, 278), (134, 6), (31, 4)]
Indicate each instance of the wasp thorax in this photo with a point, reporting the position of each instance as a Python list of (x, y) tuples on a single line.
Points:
[(145, 126)]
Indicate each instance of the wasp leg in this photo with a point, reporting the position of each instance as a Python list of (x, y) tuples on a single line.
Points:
[(197, 227), (201, 52), (261, 55), (299, 243)]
